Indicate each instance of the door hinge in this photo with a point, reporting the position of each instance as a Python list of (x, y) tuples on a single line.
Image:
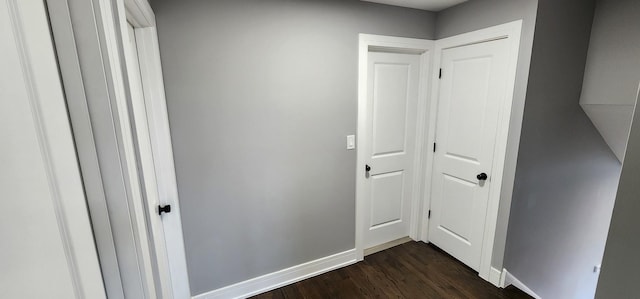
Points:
[(434, 147), (440, 76), (429, 215)]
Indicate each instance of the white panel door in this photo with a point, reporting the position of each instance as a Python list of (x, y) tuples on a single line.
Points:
[(146, 168), (156, 171), (472, 89), (392, 98), (47, 248)]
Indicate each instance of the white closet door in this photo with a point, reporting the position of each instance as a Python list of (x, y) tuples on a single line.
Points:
[(472, 89), (392, 100)]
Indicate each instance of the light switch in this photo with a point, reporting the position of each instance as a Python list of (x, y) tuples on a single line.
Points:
[(351, 142)]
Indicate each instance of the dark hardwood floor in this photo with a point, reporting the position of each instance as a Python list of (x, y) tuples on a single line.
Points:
[(410, 270)]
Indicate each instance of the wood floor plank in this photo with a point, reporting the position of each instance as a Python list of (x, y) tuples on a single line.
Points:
[(410, 270)]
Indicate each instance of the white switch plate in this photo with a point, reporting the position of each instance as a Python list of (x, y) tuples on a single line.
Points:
[(351, 142)]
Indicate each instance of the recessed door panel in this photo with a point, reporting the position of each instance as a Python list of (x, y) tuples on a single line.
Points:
[(386, 198), (390, 95), (466, 108), (457, 209)]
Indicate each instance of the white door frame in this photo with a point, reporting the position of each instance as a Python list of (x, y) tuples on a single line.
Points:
[(510, 31), (89, 37), (172, 265), (37, 57), (424, 48)]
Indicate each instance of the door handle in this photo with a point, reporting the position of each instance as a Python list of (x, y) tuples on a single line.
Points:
[(367, 168), (482, 177), (164, 209)]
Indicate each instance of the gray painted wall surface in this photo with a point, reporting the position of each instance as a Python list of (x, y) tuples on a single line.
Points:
[(261, 95), (566, 176), (479, 14), (613, 71), (620, 275), (613, 67)]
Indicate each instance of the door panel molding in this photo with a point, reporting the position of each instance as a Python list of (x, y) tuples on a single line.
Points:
[(511, 33), (397, 45)]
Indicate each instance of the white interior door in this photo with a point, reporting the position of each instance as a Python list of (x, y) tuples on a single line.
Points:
[(155, 156), (47, 248), (147, 165), (392, 100), (472, 90)]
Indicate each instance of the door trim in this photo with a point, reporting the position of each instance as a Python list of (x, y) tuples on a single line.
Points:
[(399, 45), (510, 31), (37, 59)]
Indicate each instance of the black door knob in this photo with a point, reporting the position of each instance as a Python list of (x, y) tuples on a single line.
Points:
[(164, 209), (367, 168), (482, 177)]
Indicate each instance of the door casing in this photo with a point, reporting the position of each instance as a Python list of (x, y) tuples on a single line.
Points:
[(44, 202)]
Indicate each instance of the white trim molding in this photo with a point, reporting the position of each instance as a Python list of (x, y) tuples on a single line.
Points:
[(46, 100), (111, 14), (495, 277), (140, 13), (509, 279), (424, 48), (283, 277), (72, 47), (510, 32)]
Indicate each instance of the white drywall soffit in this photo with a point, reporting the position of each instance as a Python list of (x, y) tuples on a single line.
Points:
[(430, 5)]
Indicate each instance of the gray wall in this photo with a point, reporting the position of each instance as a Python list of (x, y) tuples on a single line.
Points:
[(566, 176), (620, 275), (478, 14), (613, 67), (617, 52), (612, 73), (261, 95)]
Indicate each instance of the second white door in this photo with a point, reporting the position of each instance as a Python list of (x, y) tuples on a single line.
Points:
[(392, 100), (146, 171), (472, 90)]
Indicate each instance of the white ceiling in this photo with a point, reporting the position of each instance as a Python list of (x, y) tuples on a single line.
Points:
[(431, 5)]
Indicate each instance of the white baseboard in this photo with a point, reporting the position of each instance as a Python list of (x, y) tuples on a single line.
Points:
[(495, 277), (503, 278), (283, 277), (509, 279), (385, 246)]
